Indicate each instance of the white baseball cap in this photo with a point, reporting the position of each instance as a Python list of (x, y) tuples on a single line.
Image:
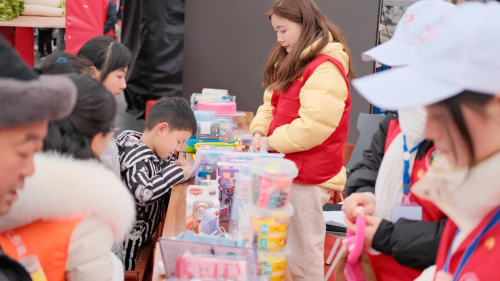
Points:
[(461, 53), (402, 48)]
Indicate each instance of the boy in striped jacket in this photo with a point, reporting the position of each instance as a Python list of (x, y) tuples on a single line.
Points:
[(149, 168)]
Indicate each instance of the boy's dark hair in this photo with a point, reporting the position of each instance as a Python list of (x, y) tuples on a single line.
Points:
[(174, 111), (63, 63), (106, 55)]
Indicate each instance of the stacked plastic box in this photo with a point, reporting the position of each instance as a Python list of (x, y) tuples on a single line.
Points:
[(270, 213)]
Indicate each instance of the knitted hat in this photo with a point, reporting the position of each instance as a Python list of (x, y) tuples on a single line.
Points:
[(27, 98)]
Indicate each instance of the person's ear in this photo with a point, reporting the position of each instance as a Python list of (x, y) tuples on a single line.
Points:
[(96, 74), (161, 127)]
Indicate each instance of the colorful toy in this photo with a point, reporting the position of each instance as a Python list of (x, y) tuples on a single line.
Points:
[(271, 182)]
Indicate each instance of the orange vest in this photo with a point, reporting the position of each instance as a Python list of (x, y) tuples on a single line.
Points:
[(48, 240)]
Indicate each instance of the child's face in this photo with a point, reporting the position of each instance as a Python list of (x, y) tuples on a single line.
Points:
[(170, 141), (288, 32), (115, 82)]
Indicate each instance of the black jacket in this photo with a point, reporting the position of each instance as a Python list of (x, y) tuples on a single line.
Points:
[(411, 243), (10, 270)]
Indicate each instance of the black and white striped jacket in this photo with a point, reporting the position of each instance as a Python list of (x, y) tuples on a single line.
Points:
[(150, 179)]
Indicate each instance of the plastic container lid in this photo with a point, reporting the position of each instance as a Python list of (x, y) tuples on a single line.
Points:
[(285, 251), (274, 168), (281, 213)]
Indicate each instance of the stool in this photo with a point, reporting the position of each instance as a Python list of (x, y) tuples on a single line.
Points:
[(149, 104)]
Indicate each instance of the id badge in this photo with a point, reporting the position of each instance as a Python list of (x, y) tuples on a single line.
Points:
[(34, 268), (410, 211)]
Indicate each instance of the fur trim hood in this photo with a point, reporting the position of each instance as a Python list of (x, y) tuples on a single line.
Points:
[(63, 187)]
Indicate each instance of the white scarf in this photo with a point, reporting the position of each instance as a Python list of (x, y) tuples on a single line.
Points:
[(389, 185), (465, 196)]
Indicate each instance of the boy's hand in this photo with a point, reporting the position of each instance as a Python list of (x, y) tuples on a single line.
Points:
[(187, 169), (179, 162)]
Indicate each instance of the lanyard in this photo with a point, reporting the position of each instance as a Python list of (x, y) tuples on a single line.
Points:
[(472, 247), (406, 158)]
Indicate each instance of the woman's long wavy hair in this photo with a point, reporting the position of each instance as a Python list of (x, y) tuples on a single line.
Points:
[(283, 68)]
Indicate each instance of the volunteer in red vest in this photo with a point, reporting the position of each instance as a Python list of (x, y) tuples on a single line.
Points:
[(27, 103), (381, 181), (461, 91), (305, 116)]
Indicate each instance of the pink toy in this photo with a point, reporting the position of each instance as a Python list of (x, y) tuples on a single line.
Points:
[(210, 268), (355, 244)]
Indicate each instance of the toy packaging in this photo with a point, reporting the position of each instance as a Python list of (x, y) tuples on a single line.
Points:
[(204, 115), (209, 267), (208, 131), (172, 249), (227, 173), (198, 199)]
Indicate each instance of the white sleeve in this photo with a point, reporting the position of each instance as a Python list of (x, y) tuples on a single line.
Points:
[(118, 271), (428, 274), (89, 254)]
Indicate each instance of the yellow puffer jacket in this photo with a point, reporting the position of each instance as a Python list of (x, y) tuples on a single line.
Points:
[(322, 100)]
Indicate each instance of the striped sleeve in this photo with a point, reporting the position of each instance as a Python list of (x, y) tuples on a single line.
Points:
[(149, 189)]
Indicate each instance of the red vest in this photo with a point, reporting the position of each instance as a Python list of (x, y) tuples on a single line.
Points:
[(321, 163), (386, 267), (483, 263)]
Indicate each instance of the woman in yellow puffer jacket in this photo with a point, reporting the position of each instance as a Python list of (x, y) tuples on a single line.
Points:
[(305, 116)]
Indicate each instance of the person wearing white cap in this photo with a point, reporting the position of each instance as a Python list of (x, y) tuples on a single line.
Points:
[(455, 76), (406, 245)]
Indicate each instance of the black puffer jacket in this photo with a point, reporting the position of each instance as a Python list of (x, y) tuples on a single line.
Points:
[(411, 243), (10, 270)]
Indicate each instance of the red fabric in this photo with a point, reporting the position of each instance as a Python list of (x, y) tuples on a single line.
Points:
[(392, 132), (386, 267), (483, 263), (24, 42), (149, 104), (84, 20), (325, 161)]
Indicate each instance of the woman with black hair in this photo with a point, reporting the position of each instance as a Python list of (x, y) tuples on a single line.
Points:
[(111, 61), (72, 210)]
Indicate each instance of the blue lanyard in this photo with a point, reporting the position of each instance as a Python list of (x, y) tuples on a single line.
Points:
[(406, 159), (472, 247)]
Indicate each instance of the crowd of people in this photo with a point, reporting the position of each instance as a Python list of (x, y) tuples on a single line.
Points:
[(78, 202)]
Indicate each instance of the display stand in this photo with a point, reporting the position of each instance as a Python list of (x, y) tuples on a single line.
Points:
[(84, 20)]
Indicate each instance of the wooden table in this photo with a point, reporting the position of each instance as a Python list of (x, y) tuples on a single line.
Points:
[(175, 222)]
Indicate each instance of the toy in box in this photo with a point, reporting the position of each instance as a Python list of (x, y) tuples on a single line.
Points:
[(198, 199), (227, 172)]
